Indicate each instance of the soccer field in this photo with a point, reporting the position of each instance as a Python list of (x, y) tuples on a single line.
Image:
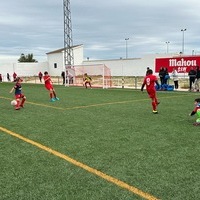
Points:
[(98, 144)]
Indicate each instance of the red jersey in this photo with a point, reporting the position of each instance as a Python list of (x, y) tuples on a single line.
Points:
[(14, 75), (150, 81), (47, 80), (40, 74)]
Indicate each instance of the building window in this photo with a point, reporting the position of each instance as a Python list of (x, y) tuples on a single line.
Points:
[(55, 65)]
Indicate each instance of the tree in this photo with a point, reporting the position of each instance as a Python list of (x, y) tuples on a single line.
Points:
[(26, 58)]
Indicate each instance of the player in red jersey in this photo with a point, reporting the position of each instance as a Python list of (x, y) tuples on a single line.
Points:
[(150, 80), (49, 87), (19, 96)]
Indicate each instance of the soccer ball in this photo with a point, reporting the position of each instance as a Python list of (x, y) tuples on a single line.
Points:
[(13, 103)]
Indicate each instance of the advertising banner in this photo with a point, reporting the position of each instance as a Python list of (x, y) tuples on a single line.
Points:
[(182, 64)]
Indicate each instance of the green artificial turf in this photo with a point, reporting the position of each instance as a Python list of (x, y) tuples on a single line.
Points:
[(111, 130)]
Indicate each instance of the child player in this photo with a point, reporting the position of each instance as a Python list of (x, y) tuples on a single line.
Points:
[(49, 87), (150, 80), (19, 96), (196, 111), (87, 80)]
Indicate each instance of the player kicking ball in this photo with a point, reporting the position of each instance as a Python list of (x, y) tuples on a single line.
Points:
[(19, 96), (196, 111), (150, 80)]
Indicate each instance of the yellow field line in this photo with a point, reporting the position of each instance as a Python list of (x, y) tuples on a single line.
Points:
[(122, 102), (96, 105), (98, 173), (117, 102)]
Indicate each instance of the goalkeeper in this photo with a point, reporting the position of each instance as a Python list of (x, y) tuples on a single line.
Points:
[(87, 80), (196, 111)]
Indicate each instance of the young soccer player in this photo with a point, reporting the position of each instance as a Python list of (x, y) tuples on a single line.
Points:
[(196, 111), (87, 80), (19, 96), (49, 87), (150, 80)]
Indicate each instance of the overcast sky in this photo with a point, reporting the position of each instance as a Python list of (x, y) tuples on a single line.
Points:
[(36, 26)]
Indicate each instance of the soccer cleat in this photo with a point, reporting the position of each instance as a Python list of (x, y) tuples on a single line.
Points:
[(158, 103), (196, 123), (57, 98), (17, 108), (52, 100), (155, 112)]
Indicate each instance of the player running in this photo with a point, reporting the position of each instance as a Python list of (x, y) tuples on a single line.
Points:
[(150, 80), (19, 96), (49, 87)]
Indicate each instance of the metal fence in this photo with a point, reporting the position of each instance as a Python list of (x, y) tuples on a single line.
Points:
[(134, 82)]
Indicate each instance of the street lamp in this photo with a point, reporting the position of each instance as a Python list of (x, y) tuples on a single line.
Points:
[(193, 52), (167, 46), (126, 39), (183, 30)]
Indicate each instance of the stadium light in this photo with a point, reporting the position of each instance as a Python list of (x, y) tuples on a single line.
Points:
[(167, 46), (183, 30), (126, 39)]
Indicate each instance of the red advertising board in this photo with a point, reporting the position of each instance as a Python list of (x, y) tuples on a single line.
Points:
[(182, 64)]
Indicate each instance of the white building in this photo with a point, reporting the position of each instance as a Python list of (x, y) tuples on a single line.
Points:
[(55, 64), (118, 67), (55, 59)]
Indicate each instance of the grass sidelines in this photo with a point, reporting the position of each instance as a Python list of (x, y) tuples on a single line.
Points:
[(107, 136)]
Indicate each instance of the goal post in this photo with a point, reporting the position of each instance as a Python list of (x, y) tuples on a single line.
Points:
[(99, 73)]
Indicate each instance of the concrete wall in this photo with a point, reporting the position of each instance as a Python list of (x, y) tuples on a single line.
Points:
[(30, 69), (22, 69), (6, 68), (131, 66)]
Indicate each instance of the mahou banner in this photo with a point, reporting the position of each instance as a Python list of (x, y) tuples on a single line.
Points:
[(181, 64)]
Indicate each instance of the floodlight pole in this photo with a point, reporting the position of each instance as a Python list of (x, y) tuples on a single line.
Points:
[(68, 41), (183, 30), (167, 46), (126, 39)]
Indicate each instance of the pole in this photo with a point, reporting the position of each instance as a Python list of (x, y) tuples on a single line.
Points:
[(103, 76), (167, 46), (183, 30), (126, 39)]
